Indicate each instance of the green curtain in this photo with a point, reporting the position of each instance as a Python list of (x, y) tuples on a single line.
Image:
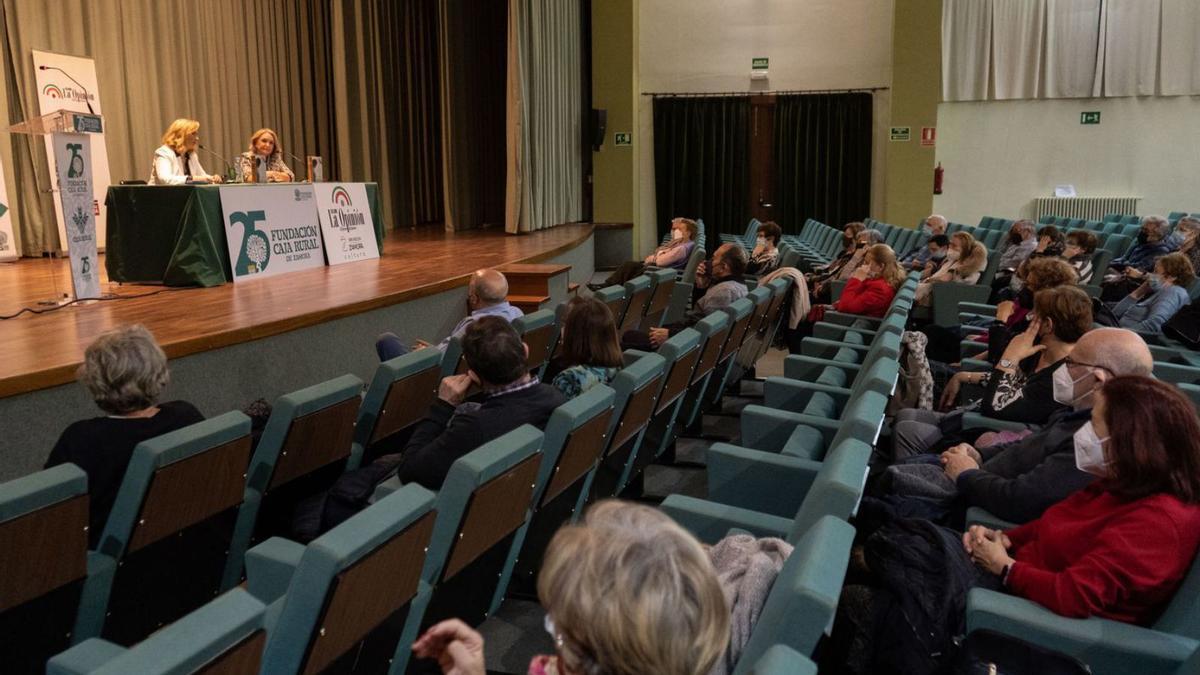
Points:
[(545, 109), (472, 49), (701, 168), (822, 158)]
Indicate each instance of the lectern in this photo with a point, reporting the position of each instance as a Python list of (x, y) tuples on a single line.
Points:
[(70, 135)]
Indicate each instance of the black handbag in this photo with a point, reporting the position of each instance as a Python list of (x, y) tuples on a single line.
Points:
[(986, 652), (1185, 326)]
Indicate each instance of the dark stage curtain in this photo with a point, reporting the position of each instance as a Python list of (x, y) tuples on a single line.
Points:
[(822, 158), (701, 162)]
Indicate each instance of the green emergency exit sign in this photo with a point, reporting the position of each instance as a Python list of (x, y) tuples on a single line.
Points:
[(759, 63), (1089, 117)]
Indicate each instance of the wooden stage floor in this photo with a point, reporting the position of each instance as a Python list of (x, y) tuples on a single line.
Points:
[(44, 350)]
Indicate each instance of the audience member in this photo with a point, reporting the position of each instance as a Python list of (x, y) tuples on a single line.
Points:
[(723, 286), (1080, 247), (504, 394), (673, 255), (1186, 231), (628, 591), (822, 288), (125, 372), (937, 247), (869, 293), (1117, 549), (1020, 388), (1125, 273), (1185, 228), (487, 295), (1020, 244), (1161, 294), (765, 256), (915, 259), (849, 246), (589, 352), (966, 259)]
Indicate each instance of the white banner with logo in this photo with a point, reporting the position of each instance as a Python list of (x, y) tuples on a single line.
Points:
[(56, 92), (346, 222), (271, 229), (8, 245), (72, 162)]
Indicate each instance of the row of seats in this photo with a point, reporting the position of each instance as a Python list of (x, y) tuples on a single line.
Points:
[(307, 607)]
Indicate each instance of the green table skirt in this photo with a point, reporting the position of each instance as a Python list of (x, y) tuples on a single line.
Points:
[(175, 234)]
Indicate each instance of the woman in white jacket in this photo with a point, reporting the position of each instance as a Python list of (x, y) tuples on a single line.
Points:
[(175, 161)]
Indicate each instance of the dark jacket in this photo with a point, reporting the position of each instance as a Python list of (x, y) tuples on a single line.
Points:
[(1020, 480), (445, 435)]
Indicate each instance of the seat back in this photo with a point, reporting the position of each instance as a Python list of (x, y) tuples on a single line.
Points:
[(742, 313), (484, 502), (637, 388), (682, 353), (43, 562), (1117, 244), (173, 519), (399, 396), (1182, 615), (453, 361), (688, 275), (714, 332), (837, 489), (614, 297), (1175, 373), (660, 298), (350, 583), (638, 289), (539, 331)]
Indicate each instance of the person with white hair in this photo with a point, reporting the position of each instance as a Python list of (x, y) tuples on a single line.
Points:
[(125, 372), (1129, 271), (916, 258)]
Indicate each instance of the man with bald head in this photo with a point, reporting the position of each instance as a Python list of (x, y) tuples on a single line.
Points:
[(487, 294), (916, 258), (1018, 481)]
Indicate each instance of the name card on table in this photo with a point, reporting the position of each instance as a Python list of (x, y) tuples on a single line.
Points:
[(346, 222), (271, 229)]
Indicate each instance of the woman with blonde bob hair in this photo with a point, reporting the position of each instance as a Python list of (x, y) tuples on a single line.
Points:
[(627, 592), (264, 151), (965, 262), (175, 161)]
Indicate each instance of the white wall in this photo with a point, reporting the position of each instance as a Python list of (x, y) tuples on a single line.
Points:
[(1000, 155), (707, 46)]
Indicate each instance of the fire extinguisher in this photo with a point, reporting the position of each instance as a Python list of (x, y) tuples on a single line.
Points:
[(938, 174)]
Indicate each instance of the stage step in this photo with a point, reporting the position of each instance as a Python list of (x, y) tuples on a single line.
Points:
[(572, 288), (528, 303)]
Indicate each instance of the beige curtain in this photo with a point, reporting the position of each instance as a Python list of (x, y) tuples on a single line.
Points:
[(544, 102), (473, 57), (235, 65)]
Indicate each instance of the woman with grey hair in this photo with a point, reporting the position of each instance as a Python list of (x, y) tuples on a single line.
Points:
[(125, 371)]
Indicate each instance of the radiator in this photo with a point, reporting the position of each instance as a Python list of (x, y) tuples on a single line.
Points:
[(1087, 208)]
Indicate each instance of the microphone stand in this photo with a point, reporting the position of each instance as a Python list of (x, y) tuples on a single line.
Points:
[(229, 171), (302, 163), (86, 95)]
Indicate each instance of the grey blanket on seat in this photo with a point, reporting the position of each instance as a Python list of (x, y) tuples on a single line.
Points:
[(746, 568)]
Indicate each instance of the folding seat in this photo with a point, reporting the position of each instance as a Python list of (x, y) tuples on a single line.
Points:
[(44, 563), (638, 290), (714, 333), (809, 436), (781, 660), (614, 297), (759, 340), (574, 440), (890, 236), (1117, 245), (171, 532), (224, 636), (1176, 373), (1113, 217), (539, 331), (663, 284), (1132, 220), (1046, 220), (399, 396), (743, 313), (946, 296), (307, 444), (1108, 647), (637, 388), (745, 240), (352, 599)]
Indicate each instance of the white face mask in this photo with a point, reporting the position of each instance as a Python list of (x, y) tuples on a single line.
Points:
[(1064, 386), (1089, 451), (761, 241), (952, 255), (676, 234)]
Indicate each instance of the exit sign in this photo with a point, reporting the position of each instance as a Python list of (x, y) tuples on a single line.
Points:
[(1089, 117), (623, 138), (759, 63)]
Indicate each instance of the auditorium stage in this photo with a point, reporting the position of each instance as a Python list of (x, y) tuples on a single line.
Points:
[(305, 326)]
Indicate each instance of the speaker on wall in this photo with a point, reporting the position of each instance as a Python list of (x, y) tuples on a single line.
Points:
[(599, 122)]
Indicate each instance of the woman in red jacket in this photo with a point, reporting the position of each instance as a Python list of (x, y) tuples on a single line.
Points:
[(873, 285), (1120, 548)]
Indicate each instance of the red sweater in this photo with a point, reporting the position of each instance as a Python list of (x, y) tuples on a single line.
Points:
[(871, 297), (1096, 554)]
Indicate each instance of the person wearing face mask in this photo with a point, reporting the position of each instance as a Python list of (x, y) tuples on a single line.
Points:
[(1159, 297), (965, 262), (1020, 388), (724, 286), (918, 256), (674, 254), (264, 151), (937, 246), (822, 289), (849, 246), (1118, 548), (1125, 273), (1050, 244), (487, 295), (1021, 244), (765, 256), (1185, 235)]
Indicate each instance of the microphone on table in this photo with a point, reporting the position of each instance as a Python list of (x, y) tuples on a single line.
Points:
[(303, 163), (86, 96), (228, 167)]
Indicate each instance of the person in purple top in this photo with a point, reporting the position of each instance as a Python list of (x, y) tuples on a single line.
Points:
[(674, 254)]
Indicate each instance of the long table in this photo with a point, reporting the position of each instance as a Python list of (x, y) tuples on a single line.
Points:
[(175, 234)]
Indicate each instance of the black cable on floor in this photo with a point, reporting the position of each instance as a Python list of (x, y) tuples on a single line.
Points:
[(103, 298)]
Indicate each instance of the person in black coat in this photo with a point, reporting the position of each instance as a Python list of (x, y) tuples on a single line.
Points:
[(496, 395)]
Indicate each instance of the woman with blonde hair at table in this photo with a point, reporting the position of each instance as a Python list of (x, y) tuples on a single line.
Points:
[(264, 148), (175, 161)]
